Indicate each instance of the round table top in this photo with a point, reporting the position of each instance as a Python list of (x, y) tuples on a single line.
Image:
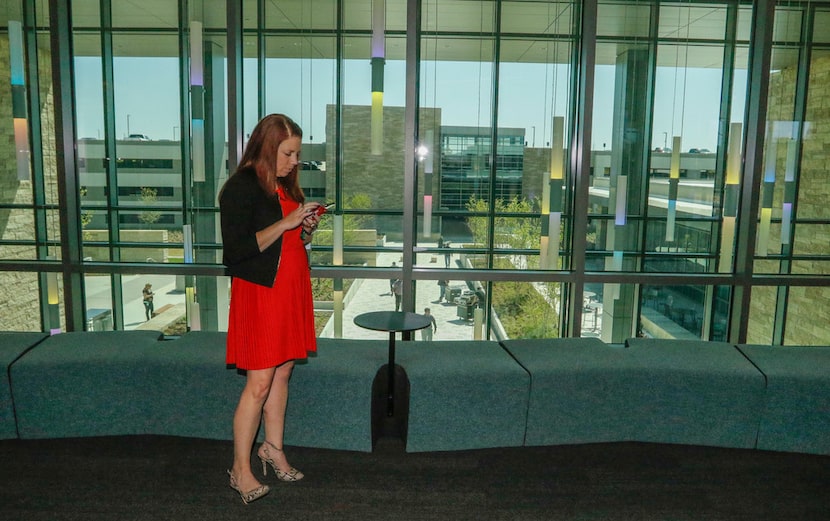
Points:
[(392, 321)]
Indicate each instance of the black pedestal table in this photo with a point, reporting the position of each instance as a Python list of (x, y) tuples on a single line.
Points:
[(393, 322)]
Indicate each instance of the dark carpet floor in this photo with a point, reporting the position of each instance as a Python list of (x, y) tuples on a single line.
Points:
[(161, 478)]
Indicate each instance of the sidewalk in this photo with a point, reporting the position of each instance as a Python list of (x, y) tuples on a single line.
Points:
[(164, 286), (365, 295), (374, 295)]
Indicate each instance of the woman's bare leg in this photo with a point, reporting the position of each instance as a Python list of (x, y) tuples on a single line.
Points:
[(246, 421), (274, 413)]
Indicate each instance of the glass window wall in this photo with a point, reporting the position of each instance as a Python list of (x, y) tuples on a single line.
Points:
[(490, 203)]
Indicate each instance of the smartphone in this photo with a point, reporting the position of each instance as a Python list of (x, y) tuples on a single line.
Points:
[(324, 208)]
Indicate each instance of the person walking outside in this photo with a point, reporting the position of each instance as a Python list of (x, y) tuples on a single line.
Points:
[(442, 291), (147, 297), (397, 289), (426, 333), (447, 255), (392, 280)]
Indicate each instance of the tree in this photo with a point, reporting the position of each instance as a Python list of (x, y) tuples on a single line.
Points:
[(358, 201), (86, 215), (355, 226), (512, 232), (148, 197), (524, 310)]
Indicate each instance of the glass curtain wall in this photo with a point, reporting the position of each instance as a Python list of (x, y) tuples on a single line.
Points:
[(135, 198), (794, 222), (30, 284), (450, 162), (129, 158), (670, 87)]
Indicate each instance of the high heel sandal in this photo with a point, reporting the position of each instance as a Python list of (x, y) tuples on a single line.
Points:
[(251, 495), (264, 455)]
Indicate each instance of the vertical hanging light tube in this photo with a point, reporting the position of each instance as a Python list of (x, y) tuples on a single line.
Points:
[(730, 198), (552, 199), (789, 190), (197, 102), (428, 158), (19, 111), (187, 243), (52, 300), (620, 205), (337, 260), (197, 154), (767, 193), (192, 316), (674, 180), (194, 322), (378, 60), (612, 291)]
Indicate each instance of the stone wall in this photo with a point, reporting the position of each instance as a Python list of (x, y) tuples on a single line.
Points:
[(19, 291), (804, 304), (362, 170)]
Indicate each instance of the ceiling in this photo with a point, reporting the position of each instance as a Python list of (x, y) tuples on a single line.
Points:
[(301, 28)]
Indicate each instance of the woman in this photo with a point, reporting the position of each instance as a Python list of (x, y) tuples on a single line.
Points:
[(266, 224)]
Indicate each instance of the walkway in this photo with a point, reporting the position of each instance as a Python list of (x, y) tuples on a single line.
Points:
[(364, 295), (375, 295), (98, 295)]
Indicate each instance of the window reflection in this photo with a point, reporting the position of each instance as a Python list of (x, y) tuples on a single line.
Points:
[(673, 311)]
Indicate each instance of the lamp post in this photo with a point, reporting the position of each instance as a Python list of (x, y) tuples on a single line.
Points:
[(128, 125)]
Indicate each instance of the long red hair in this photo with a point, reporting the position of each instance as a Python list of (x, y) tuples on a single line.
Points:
[(261, 155)]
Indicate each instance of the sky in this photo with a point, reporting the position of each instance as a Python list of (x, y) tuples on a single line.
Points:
[(147, 97)]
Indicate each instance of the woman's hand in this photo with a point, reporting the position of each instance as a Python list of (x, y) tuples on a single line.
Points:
[(301, 215), (310, 223), (266, 237)]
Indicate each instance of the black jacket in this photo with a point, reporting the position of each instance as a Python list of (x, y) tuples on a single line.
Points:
[(244, 210)]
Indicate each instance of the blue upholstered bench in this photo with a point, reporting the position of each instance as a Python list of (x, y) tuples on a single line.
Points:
[(463, 395), (698, 392), (329, 401), (126, 382), (568, 379), (330, 396), (130, 382), (796, 411), (86, 384), (12, 346), (195, 395), (664, 391)]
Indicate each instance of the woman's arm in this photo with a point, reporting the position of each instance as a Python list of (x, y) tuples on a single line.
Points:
[(244, 233), (268, 236), (237, 203)]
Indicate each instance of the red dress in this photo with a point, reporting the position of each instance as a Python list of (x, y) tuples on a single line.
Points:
[(270, 326)]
